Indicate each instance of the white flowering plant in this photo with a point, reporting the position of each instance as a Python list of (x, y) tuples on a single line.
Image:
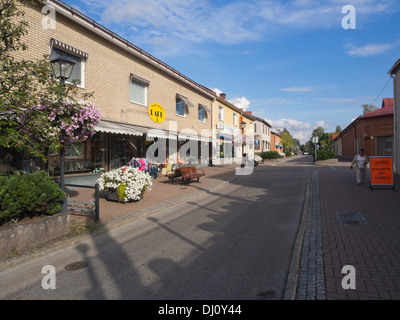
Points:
[(127, 181)]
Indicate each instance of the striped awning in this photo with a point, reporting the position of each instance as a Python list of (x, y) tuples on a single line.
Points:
[(118, 128), (161, 134), (205, 108), (186, 100)]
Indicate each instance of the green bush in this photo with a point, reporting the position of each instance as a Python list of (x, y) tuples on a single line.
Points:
[(324, 154), (28, 195), (269, 155), (288, 153)]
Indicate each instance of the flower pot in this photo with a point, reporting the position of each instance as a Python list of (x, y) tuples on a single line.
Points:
[(112, 195)]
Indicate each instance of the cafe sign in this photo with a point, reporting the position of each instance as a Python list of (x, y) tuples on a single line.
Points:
[(156, 113), (382, 171)]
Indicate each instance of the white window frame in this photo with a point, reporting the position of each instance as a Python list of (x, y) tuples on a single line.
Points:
[(205, 114), (222, 114), (184, 108), (235, 121), (145, 92)]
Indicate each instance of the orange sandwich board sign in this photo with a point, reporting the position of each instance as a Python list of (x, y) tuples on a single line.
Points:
[(382, 172)]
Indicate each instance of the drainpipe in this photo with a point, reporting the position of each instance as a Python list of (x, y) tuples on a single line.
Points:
[(395, 102)]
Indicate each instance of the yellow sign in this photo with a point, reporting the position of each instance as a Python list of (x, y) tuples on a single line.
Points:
[(156, 113), (381, 171)]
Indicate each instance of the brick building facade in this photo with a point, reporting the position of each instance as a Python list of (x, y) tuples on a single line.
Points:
[(126, 81), (373, 132)]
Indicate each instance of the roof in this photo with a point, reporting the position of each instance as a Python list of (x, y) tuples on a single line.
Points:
[(262, 120), (395, 67), (386, 109)]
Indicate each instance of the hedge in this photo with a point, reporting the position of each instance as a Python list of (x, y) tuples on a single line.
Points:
[(28, 195), (269, 155), (324, 154)]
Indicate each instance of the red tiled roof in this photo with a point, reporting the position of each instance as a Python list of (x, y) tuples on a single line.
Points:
[(387, 109)]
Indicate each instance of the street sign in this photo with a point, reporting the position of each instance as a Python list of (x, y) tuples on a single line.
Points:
[(315, 139), (382, 172)]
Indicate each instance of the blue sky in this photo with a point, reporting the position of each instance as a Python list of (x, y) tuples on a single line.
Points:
[(289, 62)]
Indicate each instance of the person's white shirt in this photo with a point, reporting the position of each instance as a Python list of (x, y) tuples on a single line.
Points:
[(360, 161)]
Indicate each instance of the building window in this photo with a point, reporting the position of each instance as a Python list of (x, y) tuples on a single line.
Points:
[(180, 107), (234, 119), (385, 146), (220, 113), (202, 114), (79, 67), (255, 128), (138, 92)]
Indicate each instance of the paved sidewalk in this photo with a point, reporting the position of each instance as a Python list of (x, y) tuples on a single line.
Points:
[(359, 228), (163, 193)]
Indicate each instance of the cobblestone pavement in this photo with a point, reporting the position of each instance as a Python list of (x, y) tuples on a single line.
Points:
[(311, 284), (349, 225)]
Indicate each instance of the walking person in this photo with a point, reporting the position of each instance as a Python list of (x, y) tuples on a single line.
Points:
[(360, 161)]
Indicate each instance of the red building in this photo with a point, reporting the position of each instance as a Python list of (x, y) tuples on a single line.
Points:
[(373, 131)]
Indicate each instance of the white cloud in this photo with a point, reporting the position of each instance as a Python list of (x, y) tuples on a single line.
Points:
[(217, 91), (322, 124), (300, 89), (369, 49), (240, 103), (229, 22), (298, 129)]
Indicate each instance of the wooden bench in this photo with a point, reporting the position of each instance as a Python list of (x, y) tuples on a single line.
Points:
[(190, 173), (173, 174)]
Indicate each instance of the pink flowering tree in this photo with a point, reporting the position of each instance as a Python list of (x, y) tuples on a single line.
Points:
[(55, 124), (37, 112)]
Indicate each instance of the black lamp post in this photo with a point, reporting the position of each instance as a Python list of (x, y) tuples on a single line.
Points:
[(62, 70), (242, 126)]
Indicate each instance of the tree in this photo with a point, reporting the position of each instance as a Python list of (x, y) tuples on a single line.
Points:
[(318, 132), (287, 140), (37, 112), (338, 129), (368, 108)]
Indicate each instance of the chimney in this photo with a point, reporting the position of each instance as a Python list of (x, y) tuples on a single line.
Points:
[(222, 95), (249, 112)]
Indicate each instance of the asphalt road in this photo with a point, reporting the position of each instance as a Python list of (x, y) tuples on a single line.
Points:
[(233, 243)]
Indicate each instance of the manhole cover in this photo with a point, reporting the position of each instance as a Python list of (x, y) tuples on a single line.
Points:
[(76, 265), (350, 217)]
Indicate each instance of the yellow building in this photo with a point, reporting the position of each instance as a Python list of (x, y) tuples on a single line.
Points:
[(227, 131)]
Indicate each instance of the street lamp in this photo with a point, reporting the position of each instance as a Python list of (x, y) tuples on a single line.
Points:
[(62, 67)]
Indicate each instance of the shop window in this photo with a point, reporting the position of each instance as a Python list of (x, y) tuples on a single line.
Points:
[(385, 146)]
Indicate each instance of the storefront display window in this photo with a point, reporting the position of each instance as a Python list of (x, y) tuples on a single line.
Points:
[(124, 148)]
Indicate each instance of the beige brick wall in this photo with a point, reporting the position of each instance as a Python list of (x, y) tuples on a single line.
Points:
[(107, 74)]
